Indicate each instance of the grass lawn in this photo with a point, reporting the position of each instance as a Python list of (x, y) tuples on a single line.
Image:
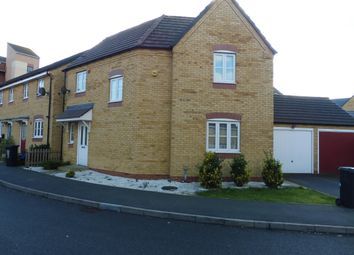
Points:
[(288, 195)]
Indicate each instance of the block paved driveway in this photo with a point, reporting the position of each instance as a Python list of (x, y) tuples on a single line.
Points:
[(324, 184)]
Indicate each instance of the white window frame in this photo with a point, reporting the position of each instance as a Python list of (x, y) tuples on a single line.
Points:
[(217, 123), (119, 97), (11, 95), (40, 85), (71, 133), (81, 78), (1, 97), (38, 128), (25, 90), (224, 55)]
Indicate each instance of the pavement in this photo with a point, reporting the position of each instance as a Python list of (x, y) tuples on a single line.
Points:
[(325, 184), (252, 214)]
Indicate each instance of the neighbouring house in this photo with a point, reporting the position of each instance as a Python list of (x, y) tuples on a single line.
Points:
[(19, 60), (151, 100), (346, 103), (25, 114), (312, 135), (2, 69)]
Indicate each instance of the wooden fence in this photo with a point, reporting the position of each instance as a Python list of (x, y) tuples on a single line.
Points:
[(37, 156)]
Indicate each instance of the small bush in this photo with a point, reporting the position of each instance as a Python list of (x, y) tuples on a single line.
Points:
[(70, 174), (210, 174), (51, 164), (272, 173), (39, 147), (239, 173)]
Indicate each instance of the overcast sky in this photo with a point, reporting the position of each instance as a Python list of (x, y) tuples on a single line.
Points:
[(314, 38)]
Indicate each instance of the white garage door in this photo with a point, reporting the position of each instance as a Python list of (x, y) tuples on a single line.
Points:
[(294, 149)]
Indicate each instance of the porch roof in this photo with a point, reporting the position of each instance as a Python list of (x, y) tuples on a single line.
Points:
[(80, 112)]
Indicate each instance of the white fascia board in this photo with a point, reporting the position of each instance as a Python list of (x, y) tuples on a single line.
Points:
[(24, 80)]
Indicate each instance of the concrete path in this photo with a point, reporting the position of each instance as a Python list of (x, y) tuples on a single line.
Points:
[(325, 184), (193, 208)]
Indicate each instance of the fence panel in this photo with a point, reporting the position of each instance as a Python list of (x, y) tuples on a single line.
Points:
[(37, 156)]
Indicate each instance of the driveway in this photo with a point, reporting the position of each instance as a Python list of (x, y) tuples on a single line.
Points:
[(324, 184)]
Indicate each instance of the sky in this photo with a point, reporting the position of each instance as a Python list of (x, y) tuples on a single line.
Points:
[(314, 38)]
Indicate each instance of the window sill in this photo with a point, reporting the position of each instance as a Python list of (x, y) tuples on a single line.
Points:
[(11, 102), (37, 139), (219, 85), (80, 94), (25, 99), (115, 104), (71, 145)]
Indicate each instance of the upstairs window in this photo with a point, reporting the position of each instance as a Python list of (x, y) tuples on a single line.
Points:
[(116, 89), (81, 82), (38, 128), (11, 95), (29, 68), (40, 85), (25, 90), (224, 67), (223, 136), (1, 96)]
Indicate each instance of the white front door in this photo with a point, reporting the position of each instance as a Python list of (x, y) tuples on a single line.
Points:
[(294, 149), (82, 145)]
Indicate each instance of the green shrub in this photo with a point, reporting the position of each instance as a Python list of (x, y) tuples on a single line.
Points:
[(239, 173), (210, 174), (39, 147), (70, 174), (272, 173), (51, 164)]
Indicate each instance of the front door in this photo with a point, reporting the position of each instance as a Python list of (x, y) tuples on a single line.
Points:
[(82, 145), (23, 134)]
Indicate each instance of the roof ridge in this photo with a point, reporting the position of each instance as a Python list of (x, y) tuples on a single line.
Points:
[(150, 30)]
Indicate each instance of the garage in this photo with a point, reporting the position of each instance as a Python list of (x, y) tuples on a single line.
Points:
[(336, 148), (312, 135), (293, 148)]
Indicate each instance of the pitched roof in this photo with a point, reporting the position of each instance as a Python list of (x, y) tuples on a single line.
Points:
[(277, 92), (340, 101), (309, 110), (75, 111), (23, 50), (160, 33), (2, 60), (42, 69)]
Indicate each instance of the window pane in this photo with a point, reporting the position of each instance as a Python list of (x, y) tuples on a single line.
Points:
[(230, 75), (234, 143), (234, 130), (230, 63), (211, 138), (223, 130), (218, 61), (120, 89), (223, 136), (114, 90), (218, 74)]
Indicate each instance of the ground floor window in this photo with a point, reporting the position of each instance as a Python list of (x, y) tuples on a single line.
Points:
[(223, 136), (38, 128), (71, 133)]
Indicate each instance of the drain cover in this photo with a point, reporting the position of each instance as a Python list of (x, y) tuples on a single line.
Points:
[(170, 188)]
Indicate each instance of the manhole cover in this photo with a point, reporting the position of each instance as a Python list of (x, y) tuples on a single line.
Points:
[(170, 188)]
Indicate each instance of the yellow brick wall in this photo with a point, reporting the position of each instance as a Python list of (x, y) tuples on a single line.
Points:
[(349, 105), (315, 137), (193, 95), (132, 138)]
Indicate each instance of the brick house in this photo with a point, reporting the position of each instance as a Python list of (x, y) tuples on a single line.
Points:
[(151, 100), (2, 69), (28, 116)]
